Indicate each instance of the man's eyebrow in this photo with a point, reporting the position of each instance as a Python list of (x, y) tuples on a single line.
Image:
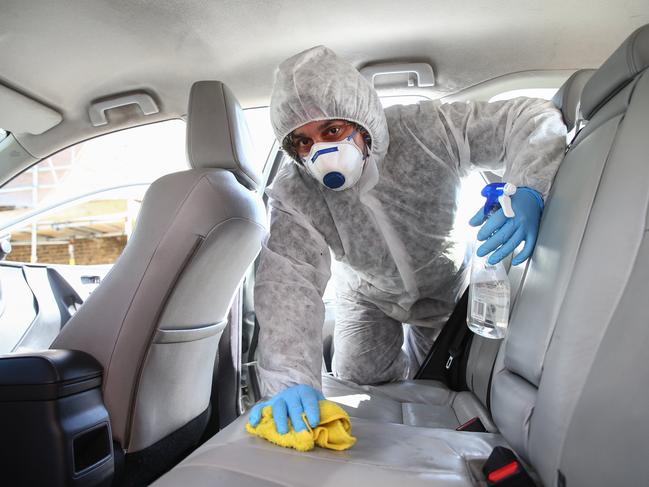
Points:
[(327, 123)]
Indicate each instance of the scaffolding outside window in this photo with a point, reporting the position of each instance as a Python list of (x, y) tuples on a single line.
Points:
[(79, 205)]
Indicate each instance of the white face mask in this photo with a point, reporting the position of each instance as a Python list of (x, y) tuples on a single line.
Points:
[(336, 165)]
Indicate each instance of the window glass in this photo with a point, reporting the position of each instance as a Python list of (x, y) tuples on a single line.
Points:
[(79, 205), (261, 132), (545, 93), (89, 231), (3, 134), (388, 101)]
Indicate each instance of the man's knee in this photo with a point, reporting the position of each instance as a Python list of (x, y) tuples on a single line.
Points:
[(373, 371)]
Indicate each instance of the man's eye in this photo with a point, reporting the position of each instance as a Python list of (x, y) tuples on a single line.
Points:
[(304, 142), (334, 130)]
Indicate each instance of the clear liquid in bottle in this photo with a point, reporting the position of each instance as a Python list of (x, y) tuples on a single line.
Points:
[(489, 292)]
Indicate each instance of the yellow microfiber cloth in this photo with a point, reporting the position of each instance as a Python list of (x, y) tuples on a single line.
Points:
[(333, 431)]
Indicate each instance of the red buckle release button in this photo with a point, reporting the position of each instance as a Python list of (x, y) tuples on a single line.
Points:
[(474, 425), (503, 472)]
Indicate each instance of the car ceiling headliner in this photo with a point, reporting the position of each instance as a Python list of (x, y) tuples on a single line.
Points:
[(67, 53)]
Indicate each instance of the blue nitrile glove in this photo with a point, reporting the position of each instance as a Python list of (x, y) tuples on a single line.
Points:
[(505, 234), (291, 403)]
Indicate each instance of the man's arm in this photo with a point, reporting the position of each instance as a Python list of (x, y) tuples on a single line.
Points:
[(523, 139), (293, 272)]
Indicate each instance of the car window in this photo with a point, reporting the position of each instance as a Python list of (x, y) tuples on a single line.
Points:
[(3, 134), (388, 101), (261, 132), (89, 231), (79, 206), (545, 93)]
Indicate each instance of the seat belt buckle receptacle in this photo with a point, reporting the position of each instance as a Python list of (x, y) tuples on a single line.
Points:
[(503, 469), (474, 425)]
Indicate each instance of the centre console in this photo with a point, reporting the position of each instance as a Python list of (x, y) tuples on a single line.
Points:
[(54, 427)]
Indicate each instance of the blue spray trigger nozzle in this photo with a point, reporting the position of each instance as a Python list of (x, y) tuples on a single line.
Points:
[(492, 192), (498, 196)]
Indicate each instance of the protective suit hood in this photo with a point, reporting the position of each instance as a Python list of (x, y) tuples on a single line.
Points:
[(318, 85), (402, 253)]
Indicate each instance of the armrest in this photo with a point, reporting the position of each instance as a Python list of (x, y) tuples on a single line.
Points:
[(47, 374), (55, 427)]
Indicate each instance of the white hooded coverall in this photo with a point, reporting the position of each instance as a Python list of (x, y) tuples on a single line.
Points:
[(394, 232)]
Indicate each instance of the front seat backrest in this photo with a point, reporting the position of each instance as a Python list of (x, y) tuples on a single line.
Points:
[(551, 386), (483, 351), (589, 424), (155, 321)]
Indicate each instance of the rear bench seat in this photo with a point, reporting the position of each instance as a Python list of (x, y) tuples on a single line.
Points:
[(431, 403), (569, 391)]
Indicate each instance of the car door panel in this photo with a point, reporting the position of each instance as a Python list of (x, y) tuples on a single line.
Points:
[(20, 308), (38, 301), (46, 325)]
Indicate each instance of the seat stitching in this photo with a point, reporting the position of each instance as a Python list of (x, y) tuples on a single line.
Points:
[(133, 397), (137, 289), (347, 460), (170, 291), (234, 470)]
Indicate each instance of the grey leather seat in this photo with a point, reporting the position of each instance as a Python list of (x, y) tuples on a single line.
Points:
[(431, 403), (569, 389), (154, 323)]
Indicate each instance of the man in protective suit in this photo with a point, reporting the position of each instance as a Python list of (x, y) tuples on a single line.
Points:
[(378, 189)]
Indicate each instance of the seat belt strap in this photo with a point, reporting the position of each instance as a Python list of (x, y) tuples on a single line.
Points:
[(435, 364), (457, 345)]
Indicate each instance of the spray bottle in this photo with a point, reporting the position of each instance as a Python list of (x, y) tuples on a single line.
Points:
[(489, 291)]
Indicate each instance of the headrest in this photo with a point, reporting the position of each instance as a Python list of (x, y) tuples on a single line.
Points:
[(217, 132), (622, 66), (568, 96)]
